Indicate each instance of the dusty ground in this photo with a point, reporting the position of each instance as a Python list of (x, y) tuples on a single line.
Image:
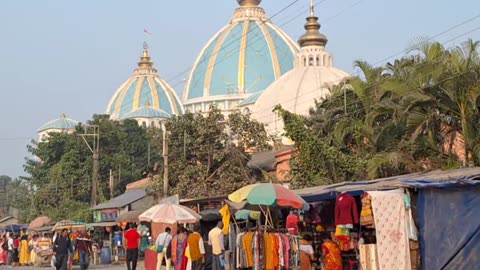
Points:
[(76, 267)]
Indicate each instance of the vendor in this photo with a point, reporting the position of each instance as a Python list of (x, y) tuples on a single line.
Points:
[(306, 252)]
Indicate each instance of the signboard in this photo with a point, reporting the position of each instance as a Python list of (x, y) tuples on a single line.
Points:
[(105, 215)]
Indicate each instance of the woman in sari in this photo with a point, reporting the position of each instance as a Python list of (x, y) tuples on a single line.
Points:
[(179, 245), (306, 252), (3, 252), (24, 252), (32, 244), (332, 257)]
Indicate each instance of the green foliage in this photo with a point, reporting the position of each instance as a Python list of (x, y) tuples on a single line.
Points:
[(207, 153), (420, 112)]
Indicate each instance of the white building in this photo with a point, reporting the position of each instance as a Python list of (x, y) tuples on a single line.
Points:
[(296, 91), (59, 125)]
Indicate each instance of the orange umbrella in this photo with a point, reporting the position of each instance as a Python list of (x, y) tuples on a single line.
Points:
[(39, 222)]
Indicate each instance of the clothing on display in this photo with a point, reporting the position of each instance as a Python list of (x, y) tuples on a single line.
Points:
[(265, 251), (391, 229), (292, 224), (366, 216), (346, 211)]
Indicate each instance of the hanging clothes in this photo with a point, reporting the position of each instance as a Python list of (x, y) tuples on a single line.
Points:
[(391, 230), (248, 247), (292, 223), (226, 215), (366, 215), (346, 211)]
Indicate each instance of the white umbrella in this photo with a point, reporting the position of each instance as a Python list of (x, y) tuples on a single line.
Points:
[(170, 213)]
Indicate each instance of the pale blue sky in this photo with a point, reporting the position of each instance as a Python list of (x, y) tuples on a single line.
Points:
[(70, 56)]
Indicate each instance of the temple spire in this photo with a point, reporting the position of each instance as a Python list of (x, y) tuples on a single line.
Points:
[(312, 9), (312, 36)]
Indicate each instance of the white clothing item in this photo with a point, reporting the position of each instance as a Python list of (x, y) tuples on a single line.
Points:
[(307, 249), (163, 239), (160, 257), (10, 243)]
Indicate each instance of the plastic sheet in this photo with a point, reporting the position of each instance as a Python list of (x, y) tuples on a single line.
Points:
[(449, 226)]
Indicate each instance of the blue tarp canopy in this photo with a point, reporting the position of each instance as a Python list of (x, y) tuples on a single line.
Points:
[(449, 226), (13, 228), (432, 179)]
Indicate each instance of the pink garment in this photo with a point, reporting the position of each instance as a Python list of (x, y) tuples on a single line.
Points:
[(286, 251)]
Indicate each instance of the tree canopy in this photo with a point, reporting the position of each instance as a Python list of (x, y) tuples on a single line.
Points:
[(420, 112)]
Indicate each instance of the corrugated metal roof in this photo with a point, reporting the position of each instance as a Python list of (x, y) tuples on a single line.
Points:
[(407, 180), (266, 160), (125, 199)]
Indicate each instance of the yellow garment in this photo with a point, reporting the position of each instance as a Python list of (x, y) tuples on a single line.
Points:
[(225, 212), (24, 256), (248, 247), (33, 254), (269, 251)]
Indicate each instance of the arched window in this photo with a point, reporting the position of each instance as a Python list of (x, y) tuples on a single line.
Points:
[(153, 124), (144, 124), (325, 60), (310, 60), (304, 59), (317, 61)]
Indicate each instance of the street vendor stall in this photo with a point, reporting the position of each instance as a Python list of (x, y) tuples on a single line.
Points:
[(266, 246), (166, 213)]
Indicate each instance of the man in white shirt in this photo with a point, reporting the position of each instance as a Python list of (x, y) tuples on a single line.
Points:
[(162, 242), (10, 242), (215, 239)]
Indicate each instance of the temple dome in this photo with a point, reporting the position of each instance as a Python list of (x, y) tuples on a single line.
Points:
[(242, 59), (144, 87), (58, 125), (311, 79)]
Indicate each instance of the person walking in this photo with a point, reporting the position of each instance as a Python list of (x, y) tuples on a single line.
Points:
[(132, 238), (215, 239), (62, 247), (196, 249), (84, 246), (162, 243), (179, 244), (24, 252)]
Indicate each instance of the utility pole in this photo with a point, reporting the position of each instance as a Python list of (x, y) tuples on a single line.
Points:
[(94, 132), (111, 184), (148, 154), (165, 161)]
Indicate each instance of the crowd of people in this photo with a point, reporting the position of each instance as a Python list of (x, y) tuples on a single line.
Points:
[(25, 249)]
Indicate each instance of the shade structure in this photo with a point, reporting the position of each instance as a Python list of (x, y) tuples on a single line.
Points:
[(170, 213), (70, 225), (268, 194), (39, 222)]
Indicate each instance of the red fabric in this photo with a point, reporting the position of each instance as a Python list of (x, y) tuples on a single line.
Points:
[(132, 237), (346, 211), (292, 224), (16, 243), (150, 259)]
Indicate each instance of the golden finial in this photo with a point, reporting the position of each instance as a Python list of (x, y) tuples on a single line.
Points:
[(145, 61), (147, 104), (249, 3), (312, 37), (63, 116)]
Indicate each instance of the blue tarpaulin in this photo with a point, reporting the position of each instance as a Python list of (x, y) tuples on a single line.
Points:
[(449, 225)]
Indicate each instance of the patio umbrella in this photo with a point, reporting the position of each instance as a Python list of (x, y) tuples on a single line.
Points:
[(245, 214), (268, 194), (39, 222), (170, 213)]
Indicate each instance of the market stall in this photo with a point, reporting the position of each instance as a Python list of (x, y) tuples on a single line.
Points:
[(266, 245), (167, 214), (385, 215)]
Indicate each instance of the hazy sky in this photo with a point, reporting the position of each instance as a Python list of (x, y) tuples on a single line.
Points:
[(70, 56)]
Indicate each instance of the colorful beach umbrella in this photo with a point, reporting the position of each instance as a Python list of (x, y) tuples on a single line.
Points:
[(268, 194), (170, 213)]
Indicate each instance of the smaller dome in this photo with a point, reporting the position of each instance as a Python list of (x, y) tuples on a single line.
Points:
[(147, 112), (62, 123)]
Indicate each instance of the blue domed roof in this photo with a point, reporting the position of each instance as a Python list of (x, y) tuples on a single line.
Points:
[(250, 100), (145, 86), (244, 57), (147, 112), (61, 123)]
